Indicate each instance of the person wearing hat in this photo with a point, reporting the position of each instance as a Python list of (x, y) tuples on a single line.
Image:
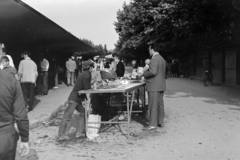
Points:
[(75, 102)]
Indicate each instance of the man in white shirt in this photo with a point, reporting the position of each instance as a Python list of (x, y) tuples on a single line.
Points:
[(27, 72), (70, 66)]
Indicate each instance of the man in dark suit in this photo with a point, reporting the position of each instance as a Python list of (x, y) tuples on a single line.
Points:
[(12, 109), (155, 83), (120, 68)]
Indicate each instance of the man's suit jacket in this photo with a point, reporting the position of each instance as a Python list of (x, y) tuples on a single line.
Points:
[(155, 75), (120, 69)]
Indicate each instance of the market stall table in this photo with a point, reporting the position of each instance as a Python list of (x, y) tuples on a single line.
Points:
[(123, 88)]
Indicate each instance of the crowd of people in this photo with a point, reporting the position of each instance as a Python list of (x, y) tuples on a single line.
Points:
[(18, 86)]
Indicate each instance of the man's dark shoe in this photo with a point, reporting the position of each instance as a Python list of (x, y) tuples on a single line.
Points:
[(149, 128), (161, 125)]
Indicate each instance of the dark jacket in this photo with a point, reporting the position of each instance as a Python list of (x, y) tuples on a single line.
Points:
[(83, 83), (155, 75), (12, 106), (120, 69)]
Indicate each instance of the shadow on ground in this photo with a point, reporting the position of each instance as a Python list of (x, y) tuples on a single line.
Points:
[(213, 94), (36, 102)]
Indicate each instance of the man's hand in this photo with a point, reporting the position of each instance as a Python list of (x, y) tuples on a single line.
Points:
[(145, 68), (23, 149)]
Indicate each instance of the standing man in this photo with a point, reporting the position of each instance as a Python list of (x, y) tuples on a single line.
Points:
[(78, 70), (120, 68), (56, 68), (27, 72), (155, 83), (75, 102), (71, 66), (12, 109), (44, 69)]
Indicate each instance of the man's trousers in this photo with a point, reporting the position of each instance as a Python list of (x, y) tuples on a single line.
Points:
[(28, 93), (156, 108), (70, 78), (45, 83), (8, 143), (65, 123)]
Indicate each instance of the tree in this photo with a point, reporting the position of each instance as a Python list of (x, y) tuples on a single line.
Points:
[(98, 48), (175, 25)]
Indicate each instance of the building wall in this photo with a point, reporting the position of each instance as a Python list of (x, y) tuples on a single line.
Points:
[(217, 58), (230, 66), (238, 66), (226, 65), (198, 63)]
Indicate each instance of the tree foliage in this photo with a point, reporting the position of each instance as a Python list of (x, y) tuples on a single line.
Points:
[(175, 25), (98, 48)]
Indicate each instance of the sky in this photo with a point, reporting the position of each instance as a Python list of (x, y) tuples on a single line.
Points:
[(89, 19)]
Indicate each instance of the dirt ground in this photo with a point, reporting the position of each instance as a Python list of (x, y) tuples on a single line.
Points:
[(200, 123)]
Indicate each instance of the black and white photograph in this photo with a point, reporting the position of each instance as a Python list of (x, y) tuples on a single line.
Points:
[(119, 79)]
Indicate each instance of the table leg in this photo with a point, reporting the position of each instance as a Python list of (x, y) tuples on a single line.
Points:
[(144, 102), (86, 121), (128, 113), (133, 93)]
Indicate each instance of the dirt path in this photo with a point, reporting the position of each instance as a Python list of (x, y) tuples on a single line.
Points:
[(201, 123)]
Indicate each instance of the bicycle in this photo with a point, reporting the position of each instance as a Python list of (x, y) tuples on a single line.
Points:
[(207, 78)]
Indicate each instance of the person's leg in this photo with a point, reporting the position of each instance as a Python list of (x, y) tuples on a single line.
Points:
[(160, 108), (68, 78), (72, 78), (56, 79), (45, 83), (40, 84), (153, 109), (25, 93), (81, 123), (31, 96), (8, 146), (66, 118), (76, 73)]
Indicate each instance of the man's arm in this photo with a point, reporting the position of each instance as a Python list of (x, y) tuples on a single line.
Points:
[(152, 71), (20, 113), (67, 66), (20, 70), (74, 66)]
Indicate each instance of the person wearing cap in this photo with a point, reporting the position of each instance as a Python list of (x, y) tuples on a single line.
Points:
[(120, 68), (75, 102)]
